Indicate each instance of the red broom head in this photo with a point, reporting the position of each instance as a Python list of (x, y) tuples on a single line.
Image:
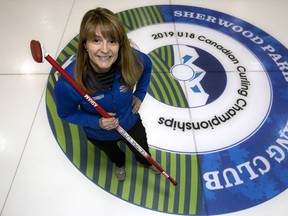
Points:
[(36, 51)]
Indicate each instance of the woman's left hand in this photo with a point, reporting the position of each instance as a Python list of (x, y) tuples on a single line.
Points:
[(136, 104)]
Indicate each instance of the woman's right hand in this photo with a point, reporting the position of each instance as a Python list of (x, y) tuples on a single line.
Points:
[(109, 123)]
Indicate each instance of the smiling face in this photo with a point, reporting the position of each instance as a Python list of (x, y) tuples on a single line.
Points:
[(102, 52)]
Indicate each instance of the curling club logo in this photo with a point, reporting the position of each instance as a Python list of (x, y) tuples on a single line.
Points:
[(190, 76), (215, 114), (202, 87)]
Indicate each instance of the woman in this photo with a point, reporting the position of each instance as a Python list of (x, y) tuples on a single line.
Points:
[(117, 77)]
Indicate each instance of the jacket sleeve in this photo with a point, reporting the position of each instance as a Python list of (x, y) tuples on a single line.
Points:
[(143, 83), (68, 109)]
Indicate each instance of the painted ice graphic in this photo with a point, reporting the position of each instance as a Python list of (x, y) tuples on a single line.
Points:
[(189, 75)]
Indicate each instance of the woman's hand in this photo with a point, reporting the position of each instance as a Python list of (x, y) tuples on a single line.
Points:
[(136, 103), (109, 123)]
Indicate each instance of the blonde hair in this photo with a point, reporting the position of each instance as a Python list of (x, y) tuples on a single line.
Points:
[(110, 26)]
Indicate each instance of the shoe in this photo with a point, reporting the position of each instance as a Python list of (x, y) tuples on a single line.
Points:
[(154, 170), (120, 173)]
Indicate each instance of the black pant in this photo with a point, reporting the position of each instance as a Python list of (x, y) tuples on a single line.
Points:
[(113, 152)]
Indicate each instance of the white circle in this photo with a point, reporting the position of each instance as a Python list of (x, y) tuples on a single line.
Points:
[(182, 72), (169, 128)]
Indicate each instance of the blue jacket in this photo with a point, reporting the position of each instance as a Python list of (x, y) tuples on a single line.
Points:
[(73, 108)]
